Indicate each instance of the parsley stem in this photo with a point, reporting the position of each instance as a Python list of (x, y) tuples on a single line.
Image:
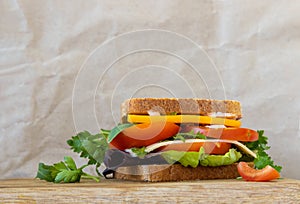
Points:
[(82, 167), (99, 174), (88, 176)]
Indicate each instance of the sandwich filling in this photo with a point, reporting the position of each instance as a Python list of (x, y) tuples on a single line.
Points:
[(166, 137)]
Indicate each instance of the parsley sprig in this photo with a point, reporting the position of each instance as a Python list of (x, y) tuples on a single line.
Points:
[(259, 147), (65, 171), (91, 147)]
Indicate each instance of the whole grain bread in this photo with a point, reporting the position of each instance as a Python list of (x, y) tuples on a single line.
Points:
[(195, 106), (175, 172)]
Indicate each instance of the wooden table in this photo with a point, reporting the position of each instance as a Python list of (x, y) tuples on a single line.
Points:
[(107, 191)]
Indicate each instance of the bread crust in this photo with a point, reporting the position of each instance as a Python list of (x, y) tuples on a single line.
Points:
[(166, 106), (175, 172)]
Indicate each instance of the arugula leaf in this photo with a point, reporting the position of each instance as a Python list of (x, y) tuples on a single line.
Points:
[(260, 147), (189, 135), (116, 130), (66, 172)]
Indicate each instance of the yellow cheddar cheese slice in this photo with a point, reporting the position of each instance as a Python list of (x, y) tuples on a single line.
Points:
[(184, 119)]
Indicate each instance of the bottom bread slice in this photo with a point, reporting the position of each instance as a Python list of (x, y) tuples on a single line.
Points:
[(175, 172)]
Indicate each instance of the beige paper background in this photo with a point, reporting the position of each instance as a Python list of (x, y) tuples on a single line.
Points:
[(44, 44)]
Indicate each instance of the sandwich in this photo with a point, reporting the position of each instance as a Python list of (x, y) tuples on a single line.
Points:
[(171, 139), (168, 139)]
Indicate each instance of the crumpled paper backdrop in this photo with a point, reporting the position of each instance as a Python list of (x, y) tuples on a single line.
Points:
[(64, 68)]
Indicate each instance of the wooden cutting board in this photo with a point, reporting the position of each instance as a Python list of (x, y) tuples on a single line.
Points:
[(107, 191)]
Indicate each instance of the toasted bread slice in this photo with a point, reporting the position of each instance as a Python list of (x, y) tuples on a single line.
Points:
[(175, 172), (189, 106)]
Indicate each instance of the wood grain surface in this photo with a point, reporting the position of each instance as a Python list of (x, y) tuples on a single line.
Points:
[(114, 191)]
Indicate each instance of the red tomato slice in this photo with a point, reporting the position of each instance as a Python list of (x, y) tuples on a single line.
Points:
[(238, 134), (144, 134), (209, 147), (249, 174)]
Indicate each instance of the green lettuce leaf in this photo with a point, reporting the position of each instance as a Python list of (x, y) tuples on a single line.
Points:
[(193, 159), (116, 130), (184, 158), (219, 160)]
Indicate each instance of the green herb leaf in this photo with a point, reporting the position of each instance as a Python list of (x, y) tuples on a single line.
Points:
[(60, 172), (260, 144), (116, 130), (66, 172), (70, 163), (89, 146), (189, 135), (140, 152), (104, 132), (92, 147), (60, 166), (95, 178), (179, 137), (260, 147), (46, 172), (68, 176), (263, 159)]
